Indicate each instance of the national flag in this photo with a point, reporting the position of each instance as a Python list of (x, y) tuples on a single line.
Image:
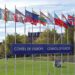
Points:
[(19, 17), (8, 15), (71, 19), (35, 18), (5, 14), (31, 17), (28, 16), (42, 19), (51, 19), (66, 20), (59, 22), (15, 18)]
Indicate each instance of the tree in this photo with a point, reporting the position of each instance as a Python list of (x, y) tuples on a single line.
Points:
[(47, 37), (70, 33), (10, 39), (2, 52)]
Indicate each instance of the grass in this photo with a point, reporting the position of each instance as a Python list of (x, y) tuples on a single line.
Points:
[(20, 70)]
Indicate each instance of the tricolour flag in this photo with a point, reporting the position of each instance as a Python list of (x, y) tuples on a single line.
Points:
[(59, 22), (35, 18), (42, 19), (19, 17), (31, 17), (49, 18), (28, 16)]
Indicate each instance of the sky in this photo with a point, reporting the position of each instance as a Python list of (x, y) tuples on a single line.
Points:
[(51, 6)]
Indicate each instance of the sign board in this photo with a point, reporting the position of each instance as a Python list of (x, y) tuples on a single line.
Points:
[(41, 48)]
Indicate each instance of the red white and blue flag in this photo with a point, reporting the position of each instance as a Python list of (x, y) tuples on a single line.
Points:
[(71, 20), (35, 18), (66, 20), (31, 17)]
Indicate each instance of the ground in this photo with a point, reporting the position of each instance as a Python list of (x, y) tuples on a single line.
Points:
[(47, 67)]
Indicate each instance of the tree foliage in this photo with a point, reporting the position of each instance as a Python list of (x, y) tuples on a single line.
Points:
[(10, 39), (2, 52), (69, 35), (47, 37)]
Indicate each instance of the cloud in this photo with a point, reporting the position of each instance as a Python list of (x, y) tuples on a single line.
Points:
[(23, 3)]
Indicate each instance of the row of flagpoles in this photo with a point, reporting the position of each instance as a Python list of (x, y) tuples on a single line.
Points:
[(15, 55), (34, 18)]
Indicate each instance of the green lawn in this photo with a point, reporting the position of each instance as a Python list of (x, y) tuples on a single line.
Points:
[(36, 66)]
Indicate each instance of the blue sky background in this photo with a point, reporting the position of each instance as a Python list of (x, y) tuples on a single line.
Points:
[(57, 6)]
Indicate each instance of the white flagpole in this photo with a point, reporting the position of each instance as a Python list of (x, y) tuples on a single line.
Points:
[(54, 43), (15, 43), (32, 54), (5, 44), (67, 55), (40, 64), (74, 48), (54, 53), (40, 53), (74, 43), (61, 43), (32, 65), (48, 73), (24, 43), (47, 57), (48, 53), (61, 53)]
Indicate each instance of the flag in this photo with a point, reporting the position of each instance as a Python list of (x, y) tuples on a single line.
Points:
[(8, 15), (5, 14), (59, 22), (15, 18), (28, 16), (64, 17), (35, 18), (71, 20), (42, 19), (19, 17), (31, 17), (66, 20), (51, 19)]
